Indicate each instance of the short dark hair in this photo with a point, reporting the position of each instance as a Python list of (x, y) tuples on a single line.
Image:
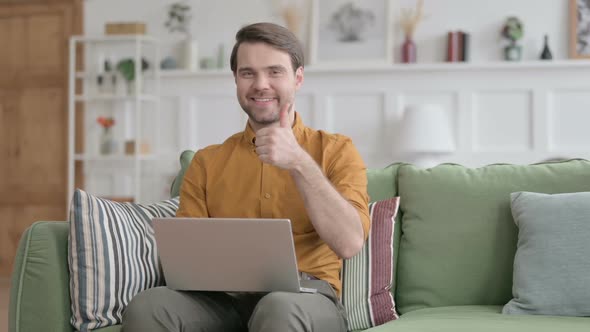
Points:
[(272, 34)]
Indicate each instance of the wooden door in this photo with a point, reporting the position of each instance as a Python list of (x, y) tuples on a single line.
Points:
[(33, 115)]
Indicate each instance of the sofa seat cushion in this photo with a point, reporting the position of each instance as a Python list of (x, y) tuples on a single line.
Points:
[(481, 319)]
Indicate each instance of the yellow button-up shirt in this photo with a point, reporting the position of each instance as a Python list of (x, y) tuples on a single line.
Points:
[(229, 181)]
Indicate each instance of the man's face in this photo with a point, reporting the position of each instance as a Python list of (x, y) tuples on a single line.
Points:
[(265, 82)]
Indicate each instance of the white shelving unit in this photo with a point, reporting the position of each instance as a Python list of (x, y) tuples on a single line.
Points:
[(146, 97)]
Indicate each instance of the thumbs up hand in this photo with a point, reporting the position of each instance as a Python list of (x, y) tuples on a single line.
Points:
[(284, 116), (277, 145)]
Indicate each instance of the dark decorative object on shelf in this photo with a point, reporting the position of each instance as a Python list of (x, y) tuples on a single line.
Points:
[(546, 53), (107, 79), (108, 67), (513, 30), (458, 44)]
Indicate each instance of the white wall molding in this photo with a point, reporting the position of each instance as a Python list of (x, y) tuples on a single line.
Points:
[(500, 112)]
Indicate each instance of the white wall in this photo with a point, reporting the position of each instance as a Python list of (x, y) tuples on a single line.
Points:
[(214, 22), (501, 112), (217, 21)]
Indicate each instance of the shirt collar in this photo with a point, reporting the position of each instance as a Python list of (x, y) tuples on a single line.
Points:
[(298, 127)]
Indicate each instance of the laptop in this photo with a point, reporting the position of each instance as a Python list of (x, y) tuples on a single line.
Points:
[(228, 254)]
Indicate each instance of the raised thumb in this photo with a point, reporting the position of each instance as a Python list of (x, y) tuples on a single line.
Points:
[(284, 117)]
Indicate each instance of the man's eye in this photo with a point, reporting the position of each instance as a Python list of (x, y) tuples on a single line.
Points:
[(246, 74), (276, 72)]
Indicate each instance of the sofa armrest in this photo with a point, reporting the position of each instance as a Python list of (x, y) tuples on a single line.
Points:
[(39, 293)]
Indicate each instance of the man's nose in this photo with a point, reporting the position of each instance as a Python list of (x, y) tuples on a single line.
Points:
[(261, 82)]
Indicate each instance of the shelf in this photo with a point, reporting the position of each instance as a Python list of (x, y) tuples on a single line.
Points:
[(190, 73), (107, 97), (114, 157), (94, 75), (114, 38), (137, 97), (399, 67), (451, 66)]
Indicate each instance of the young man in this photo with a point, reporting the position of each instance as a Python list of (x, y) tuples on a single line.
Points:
[(276, 168)]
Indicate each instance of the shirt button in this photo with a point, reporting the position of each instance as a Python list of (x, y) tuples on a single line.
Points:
[(267, 195)]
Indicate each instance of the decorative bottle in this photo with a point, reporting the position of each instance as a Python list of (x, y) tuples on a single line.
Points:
[(546, 53), (408, 51)]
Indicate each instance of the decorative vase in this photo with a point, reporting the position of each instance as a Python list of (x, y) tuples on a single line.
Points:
[(107, 141), (546, 53), (408, 51), (513, 52), (131, 88), (190, 54)]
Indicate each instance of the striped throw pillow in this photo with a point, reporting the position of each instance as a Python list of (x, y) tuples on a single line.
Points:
[(367, 278), (112, 256)]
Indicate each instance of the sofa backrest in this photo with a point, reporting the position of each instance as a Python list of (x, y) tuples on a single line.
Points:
[(382, 182), (185, 160), (458, 235)]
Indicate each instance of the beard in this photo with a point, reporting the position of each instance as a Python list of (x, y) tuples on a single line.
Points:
[(264, 118)]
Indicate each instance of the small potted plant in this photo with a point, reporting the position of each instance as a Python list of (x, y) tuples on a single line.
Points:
[(107, 142), (513, 30), (127, 69), (179, 20)]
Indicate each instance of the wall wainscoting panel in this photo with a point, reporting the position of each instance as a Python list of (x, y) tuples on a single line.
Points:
[(502, 121), (569, 113)]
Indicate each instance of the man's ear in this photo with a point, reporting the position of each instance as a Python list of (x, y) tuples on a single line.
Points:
[(298, 78)]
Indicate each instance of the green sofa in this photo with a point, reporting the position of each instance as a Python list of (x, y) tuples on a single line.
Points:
[(455, 243)]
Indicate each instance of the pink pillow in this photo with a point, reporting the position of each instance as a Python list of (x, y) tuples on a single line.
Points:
[(367, 278)]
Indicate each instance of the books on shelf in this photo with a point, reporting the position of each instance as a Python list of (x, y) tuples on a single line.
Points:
[(458, 44)]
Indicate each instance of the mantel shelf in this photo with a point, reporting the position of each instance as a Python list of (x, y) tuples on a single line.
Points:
[(416, 67), (109, 97), (114, 38), (94, 74), (113, 157)]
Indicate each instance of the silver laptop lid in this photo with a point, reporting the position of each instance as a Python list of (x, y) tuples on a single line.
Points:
[(234, 255)]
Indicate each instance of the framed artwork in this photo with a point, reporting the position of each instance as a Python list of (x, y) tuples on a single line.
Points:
[(351, 32), (580, 29)]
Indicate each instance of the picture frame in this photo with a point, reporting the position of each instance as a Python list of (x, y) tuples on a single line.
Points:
[(351, 32), (579, 17)]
